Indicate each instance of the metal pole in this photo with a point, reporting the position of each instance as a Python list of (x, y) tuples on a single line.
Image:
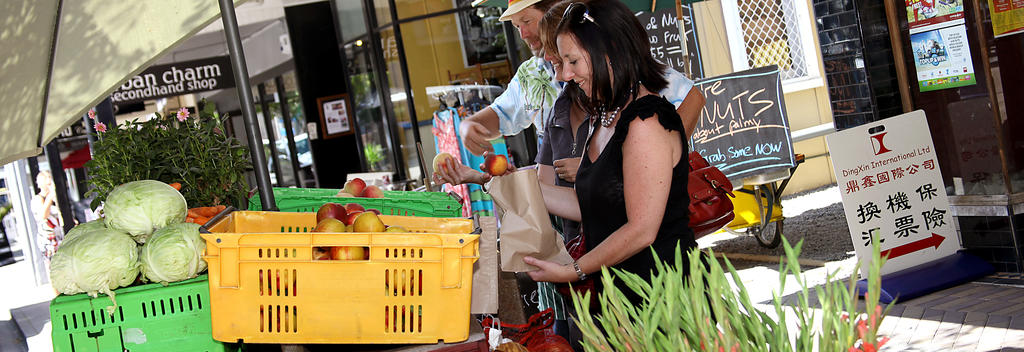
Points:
[(379, 67), (511, 45), (682, 39), (397, 28), (282, 100), (60, 184), (268, 122), (346, 79), (89, 132), (259, 160)]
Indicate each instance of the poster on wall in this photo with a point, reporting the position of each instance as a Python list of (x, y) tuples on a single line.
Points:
[(938, 41), (922, 13), (334, 115), (942, 58), (1007, 17)]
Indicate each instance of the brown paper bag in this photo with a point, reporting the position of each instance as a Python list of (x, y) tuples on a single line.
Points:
[(525, 227), (485, 270)]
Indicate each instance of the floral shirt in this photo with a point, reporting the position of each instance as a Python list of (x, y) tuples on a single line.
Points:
[(531, 95), (528, 98)]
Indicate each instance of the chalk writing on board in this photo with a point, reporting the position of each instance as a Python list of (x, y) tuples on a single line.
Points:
[(743, 129), (663, 35)]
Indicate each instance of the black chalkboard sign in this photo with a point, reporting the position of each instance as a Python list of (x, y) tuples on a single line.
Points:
[(743, 128), (663, 34)]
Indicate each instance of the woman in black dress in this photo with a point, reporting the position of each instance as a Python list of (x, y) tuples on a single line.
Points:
[(631, 185)]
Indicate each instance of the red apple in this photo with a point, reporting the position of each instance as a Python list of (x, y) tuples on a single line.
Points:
[(352, 217), (331, 210), (329, 225), (348, 253), (355, 187), (372, 192), (495, 164), (350, 207)]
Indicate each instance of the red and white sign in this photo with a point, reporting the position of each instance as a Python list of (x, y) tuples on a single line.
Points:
[(891, 186)]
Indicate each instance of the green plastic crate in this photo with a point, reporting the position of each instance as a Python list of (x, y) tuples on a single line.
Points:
[(427, 204), (148, 318)]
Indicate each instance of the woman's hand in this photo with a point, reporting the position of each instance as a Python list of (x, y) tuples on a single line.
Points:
[(550, 271), (566, 168), (456, 173)]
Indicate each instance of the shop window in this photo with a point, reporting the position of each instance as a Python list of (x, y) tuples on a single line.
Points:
[(773, 32)]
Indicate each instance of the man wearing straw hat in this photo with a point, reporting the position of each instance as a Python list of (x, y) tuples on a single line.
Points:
[(531, 93)]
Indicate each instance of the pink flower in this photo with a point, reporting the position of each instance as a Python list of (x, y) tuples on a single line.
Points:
[(182, 114), (92, 114), (101, 127)]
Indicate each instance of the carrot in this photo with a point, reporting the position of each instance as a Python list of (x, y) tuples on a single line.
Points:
[(177, 186), (202, 220), (194, 213), (208, 211), (220, 208), (190, 219)]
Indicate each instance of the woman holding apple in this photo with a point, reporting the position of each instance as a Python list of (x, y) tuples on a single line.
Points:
[(634, 163)]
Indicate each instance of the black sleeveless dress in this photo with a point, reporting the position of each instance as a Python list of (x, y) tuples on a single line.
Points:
[(599, 188)]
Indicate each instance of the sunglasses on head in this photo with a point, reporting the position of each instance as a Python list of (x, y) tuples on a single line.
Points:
[(575, 7)]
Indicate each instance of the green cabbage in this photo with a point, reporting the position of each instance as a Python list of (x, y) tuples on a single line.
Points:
[(99, 261), (141, 207), (173, 253), (85, 228)]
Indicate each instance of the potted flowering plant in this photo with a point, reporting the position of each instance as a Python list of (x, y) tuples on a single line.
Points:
[(180, 148)]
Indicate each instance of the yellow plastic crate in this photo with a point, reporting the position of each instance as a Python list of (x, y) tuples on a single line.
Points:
[(265, 286)]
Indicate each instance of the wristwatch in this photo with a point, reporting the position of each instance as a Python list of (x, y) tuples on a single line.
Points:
[(579, 272)]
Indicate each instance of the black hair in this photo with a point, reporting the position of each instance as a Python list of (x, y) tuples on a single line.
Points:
[(608, 29)]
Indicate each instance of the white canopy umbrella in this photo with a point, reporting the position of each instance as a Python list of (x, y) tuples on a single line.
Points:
[(61, 57)]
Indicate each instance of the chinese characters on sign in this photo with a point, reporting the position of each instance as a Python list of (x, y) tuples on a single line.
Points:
[(892, 190)]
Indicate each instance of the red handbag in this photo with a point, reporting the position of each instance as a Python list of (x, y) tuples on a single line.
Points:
[(710, 209), (577, 247)]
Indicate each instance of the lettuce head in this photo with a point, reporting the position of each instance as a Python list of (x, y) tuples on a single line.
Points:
[(141, 207), (173, 253), (85, 228), (100, 260)]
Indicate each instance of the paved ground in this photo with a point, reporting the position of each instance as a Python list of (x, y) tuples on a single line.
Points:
[(985, 315), (814, 217), (21, 300)]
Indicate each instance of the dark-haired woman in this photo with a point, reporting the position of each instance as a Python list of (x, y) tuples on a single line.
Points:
[(635, 160)]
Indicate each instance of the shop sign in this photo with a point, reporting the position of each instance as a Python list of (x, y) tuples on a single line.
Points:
[(938, 43), (1007, 17), (178, 78), (892, 189)]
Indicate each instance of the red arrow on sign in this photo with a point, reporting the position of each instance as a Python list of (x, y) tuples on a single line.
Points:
[(934, 241)]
